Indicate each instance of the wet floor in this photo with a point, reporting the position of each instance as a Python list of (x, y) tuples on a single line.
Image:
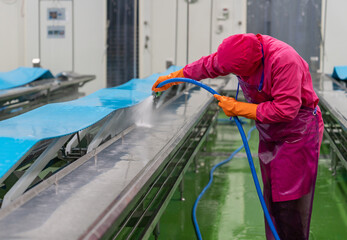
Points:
[(230, 209)]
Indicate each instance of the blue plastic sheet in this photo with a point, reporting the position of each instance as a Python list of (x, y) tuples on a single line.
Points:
[(340, 72), (19, 134), (22, 76)]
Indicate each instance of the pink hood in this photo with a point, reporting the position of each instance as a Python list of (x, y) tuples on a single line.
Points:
[(240, 54)]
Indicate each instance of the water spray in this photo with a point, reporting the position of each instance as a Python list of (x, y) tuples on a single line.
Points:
[(249, 157)]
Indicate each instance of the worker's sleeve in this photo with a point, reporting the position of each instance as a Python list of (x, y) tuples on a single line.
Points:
[(205, 67), (212, 66), (286, 92)]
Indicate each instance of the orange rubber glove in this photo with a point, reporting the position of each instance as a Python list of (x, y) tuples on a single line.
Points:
[(232, 107), (177, 74)]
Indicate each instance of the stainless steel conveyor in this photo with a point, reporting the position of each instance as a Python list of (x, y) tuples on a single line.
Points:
[(333, 103), (21, 99), (94, 196)]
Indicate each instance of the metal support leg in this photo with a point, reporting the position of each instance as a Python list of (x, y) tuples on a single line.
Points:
[(74, 140), (196, 164), (182, 189), (104, 131), (79, 143), (24, 182), (156, 231), (180, 88), (15, 166), (163, 97), (333, 161), (204, 148)]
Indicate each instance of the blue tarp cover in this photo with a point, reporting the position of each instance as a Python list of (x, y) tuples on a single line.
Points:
[(340, 72), (22, 76), (19, 134)]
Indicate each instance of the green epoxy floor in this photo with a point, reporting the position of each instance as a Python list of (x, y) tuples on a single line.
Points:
[(230, 209)]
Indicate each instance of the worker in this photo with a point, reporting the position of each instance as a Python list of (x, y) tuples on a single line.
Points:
[(277, 84)]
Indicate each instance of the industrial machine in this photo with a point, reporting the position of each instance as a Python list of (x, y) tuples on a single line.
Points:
[(19, 99), (108, 167)]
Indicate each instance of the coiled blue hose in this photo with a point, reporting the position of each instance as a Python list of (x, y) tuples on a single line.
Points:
[(249, 157)]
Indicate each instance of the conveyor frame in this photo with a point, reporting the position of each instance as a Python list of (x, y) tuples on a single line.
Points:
[(105, 129), (114, 212), (35, 94), (335, 121), (180, 159)]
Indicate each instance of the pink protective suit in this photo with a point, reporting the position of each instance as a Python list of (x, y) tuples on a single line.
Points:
[(273, 75)]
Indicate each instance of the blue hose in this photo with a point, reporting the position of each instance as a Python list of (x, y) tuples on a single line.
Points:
[(188, 80), (249, 157), (195, 221)]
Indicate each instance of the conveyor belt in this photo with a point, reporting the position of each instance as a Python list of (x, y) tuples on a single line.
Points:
[(85, 199), (19, 134)]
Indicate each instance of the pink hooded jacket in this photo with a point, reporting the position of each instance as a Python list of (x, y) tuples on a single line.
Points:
[(286, 75)]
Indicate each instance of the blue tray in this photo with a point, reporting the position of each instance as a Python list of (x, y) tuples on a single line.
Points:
[(22, 76), (340, 72)]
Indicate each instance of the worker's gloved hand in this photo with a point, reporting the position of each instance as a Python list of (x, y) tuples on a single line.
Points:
[(232, 107), (177, 74)]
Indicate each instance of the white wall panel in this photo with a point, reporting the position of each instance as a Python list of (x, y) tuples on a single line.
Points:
[(168, 31), (84, 50), (199, 29), (90, 41), (56, 37), (181, 50), (145, 38), (335, 35), (234, 23), (31, 30), (162, 39), (12, 35)]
